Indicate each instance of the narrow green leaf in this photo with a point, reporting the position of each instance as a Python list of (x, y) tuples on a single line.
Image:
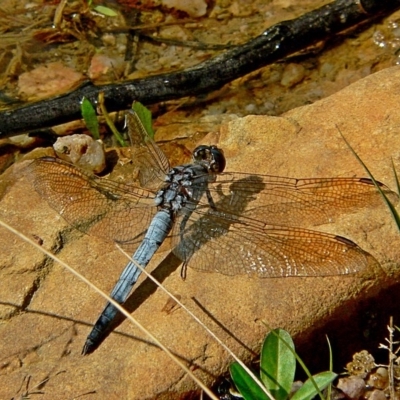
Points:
[(391, 207), (90, 118), (144, 115), (309, 391), (329, 391), (245, 383), (396, 178), (105, 11), (278, 363)]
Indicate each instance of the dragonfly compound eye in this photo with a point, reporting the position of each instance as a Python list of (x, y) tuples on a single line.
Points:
[(201, 153), (218, 162), (211, 156)]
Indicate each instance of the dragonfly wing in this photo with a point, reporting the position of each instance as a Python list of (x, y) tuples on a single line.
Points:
[(147, 156), (214, 242), (295, 202), (100, 207)]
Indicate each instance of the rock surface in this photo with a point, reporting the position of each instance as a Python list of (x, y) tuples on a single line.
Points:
[(47, 313)]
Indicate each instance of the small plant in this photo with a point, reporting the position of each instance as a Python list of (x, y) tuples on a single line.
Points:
[(89, 116), (394, 359), (277, 370), (106, 11)]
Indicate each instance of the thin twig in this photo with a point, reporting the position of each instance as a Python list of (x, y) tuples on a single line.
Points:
[(392, 357)]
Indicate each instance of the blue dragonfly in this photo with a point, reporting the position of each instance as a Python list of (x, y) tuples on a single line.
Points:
[(227, 222)]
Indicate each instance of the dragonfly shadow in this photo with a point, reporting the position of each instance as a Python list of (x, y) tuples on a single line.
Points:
[(7, 358), (170, 264), (223, 327)]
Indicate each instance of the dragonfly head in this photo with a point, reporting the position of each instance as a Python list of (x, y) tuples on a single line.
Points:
[(211, 157)]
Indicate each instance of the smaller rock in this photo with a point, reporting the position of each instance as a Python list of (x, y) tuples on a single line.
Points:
[(379, 379), (22, 141), (48, 80), (352, 386), (292, 75), (82, 151), (377, 395), (195, 8), (103, 66), (295, 387)]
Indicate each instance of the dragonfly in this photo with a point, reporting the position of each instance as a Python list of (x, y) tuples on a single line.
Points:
[(227, 222)]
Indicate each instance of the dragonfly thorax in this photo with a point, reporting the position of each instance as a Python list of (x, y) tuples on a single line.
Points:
[(182, 184)]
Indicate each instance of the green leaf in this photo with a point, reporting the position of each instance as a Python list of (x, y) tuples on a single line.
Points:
[(329, 391), (245, 383), (90, 118), (105, 11), (278, 363), (308, 390), (396, 178), (144, 115)]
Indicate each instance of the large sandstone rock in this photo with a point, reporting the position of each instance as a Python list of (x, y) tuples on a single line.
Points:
[(47, 313)]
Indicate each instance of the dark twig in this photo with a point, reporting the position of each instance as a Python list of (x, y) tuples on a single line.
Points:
[(275, 43)]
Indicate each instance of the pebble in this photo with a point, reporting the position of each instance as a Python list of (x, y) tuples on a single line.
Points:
[(82, 151), (352, 386), (48, 80), (379, 379), (377, 395), (195, 8), (292, 75), (102, 65)]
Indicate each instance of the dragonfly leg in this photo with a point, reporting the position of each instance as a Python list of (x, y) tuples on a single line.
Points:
[(184, 269), (210, 200)]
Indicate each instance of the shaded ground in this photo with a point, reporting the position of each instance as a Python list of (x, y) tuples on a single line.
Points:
[(94, 46)]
